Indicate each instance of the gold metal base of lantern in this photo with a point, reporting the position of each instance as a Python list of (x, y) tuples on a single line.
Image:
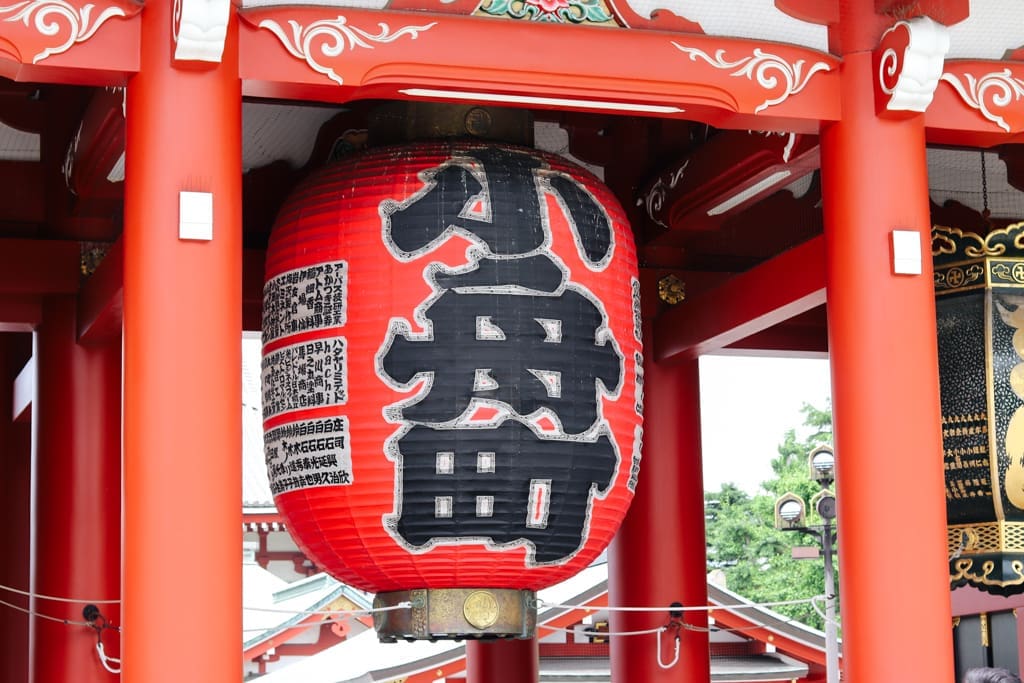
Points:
[(455, 613)]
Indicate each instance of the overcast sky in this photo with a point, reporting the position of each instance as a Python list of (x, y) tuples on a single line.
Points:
[(747, 405)]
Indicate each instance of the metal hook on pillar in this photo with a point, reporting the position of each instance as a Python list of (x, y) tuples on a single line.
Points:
[(99, 623)]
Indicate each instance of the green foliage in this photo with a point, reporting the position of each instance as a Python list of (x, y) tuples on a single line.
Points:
[(741, 536)]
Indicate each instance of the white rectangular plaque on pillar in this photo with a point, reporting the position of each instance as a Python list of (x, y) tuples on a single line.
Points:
[(906, 252), (195, 216)]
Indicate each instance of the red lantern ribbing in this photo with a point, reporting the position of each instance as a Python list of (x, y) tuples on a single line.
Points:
[(451, 377)]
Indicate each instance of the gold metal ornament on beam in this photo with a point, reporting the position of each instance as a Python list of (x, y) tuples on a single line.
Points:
[(671, 290)]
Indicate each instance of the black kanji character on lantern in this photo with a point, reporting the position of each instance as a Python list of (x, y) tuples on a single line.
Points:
[(530, 352), (511, 327), (505, 484), (510, 220)]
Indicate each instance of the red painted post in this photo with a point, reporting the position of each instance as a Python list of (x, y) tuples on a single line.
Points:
[(15, 539), (502, 661), (885, 387), (658, 556), (76, 497), (182, 356)]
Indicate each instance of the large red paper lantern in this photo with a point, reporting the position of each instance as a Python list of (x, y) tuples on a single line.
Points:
[(452, 379)]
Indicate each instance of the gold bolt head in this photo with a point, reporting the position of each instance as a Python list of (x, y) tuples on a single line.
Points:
[(671, 290)]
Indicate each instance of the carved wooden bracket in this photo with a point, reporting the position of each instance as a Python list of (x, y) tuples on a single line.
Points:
[(200, 27), (908, 64)]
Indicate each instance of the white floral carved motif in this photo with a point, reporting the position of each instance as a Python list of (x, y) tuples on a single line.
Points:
[(336, 35), (46, 16), (790, 142), (1000, 88), (655, 199), (763, 68)]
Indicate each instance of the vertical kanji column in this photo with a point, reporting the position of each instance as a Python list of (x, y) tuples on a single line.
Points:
[(15, 539), (885, 385), (503, 661), (76, 497), (182, 361), (658, 556)]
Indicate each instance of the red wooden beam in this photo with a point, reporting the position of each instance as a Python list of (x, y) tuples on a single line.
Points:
[(824, 12), (330, 634), (101, 301), (735, 619), (946, 12), (803, 336), (23, 184), (731, 171), (970, 600), (98, 45), (672, 74), (39, 266), (280, 641), (20, 313), (775, 291), (99, 148), (261, 518), (783, 341), (968, 108)]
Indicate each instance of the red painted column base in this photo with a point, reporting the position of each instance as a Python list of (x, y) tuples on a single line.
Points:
[(502, 661)]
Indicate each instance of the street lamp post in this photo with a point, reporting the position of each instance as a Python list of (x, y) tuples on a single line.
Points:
[(790, 515)]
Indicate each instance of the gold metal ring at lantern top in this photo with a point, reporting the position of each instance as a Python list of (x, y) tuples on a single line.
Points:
[(480, 609)]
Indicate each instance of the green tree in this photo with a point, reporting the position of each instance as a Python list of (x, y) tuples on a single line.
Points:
[(741, 536)]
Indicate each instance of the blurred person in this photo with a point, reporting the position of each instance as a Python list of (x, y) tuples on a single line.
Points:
[(990, 674)]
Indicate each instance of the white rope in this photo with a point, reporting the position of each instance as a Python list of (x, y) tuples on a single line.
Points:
[(333, 612), (669, 608), (821, 613), (57, 599), (675, 659), (32, 613), (604, 633), (645, 632), (104, 659)]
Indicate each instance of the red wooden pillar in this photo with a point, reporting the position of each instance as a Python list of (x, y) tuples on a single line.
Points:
[(885, 386), (658, 556), (15, 538), (182, 364), (76, 497), (502, 661)]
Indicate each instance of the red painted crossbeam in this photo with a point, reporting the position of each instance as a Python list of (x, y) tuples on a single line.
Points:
[(789, 284)]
